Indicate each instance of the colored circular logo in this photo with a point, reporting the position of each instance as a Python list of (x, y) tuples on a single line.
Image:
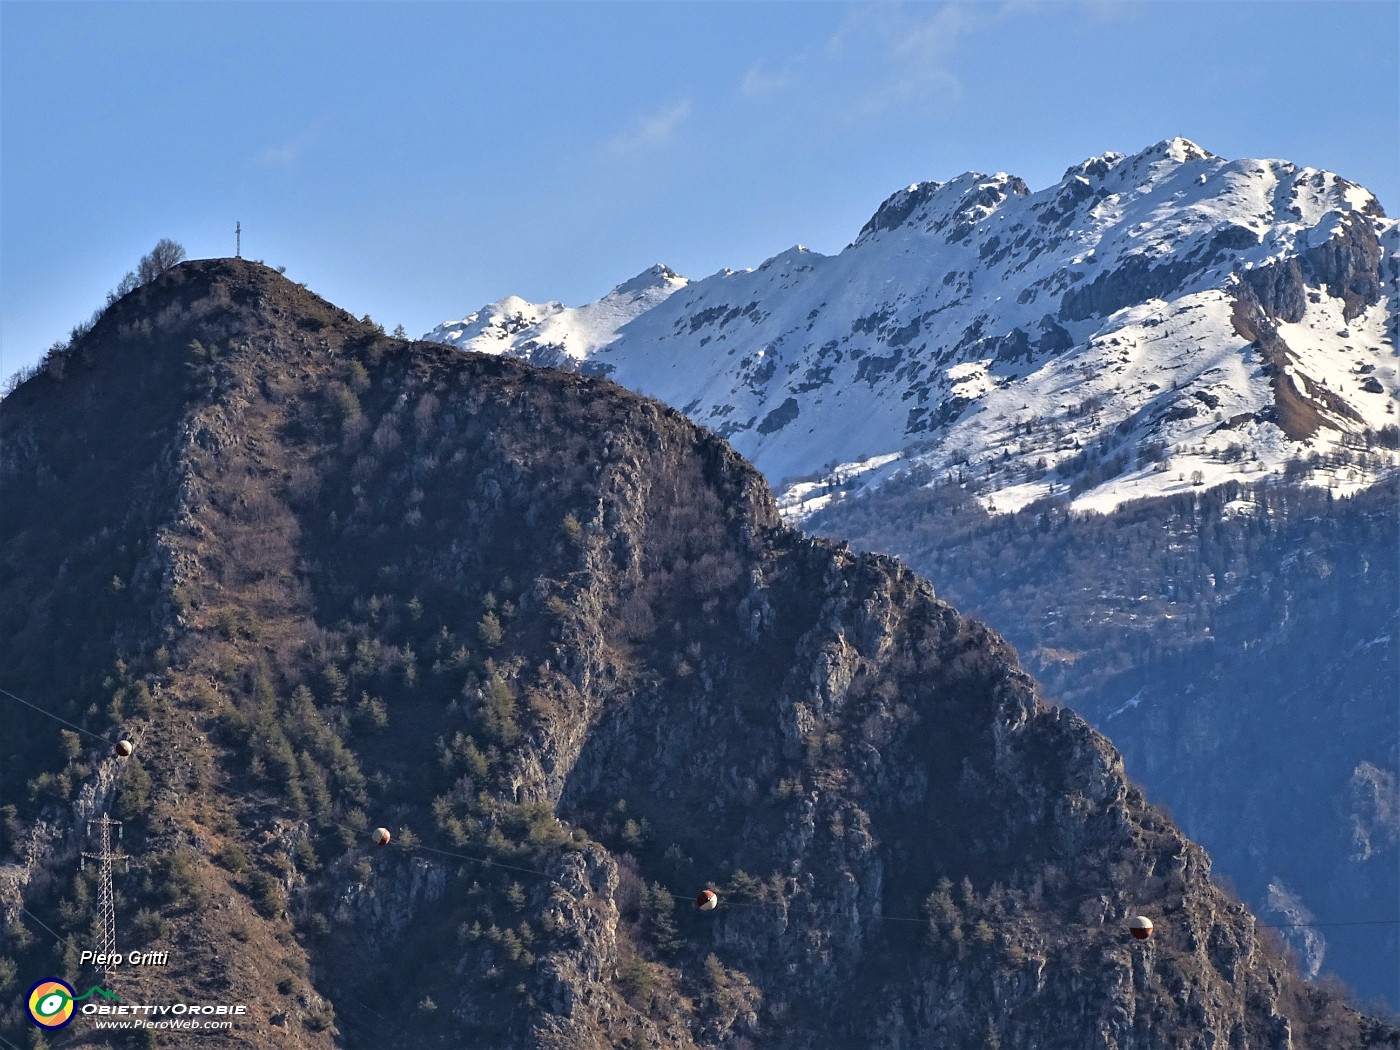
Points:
[(51, 1003)]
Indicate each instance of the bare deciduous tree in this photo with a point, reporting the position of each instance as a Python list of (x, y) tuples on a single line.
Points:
[(167, 253), (164, 255), (129, 283)]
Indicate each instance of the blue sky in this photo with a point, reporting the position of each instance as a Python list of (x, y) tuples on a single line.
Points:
[(415, 161)]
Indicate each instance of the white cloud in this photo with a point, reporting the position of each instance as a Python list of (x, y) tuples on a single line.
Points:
[(759, 83), (650, 130), (287, 153), (283, 156), (891, 55), (916, 53)]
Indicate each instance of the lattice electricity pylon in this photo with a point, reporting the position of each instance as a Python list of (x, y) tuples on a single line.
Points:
[(106, 896)]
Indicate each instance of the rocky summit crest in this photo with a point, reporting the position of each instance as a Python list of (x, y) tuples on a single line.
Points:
[(556, 638), (1148, 325)]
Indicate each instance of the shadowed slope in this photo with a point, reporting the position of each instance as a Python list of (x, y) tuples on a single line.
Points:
[(554, 637)]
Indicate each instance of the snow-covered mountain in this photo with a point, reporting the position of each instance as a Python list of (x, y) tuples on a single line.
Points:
[(1148, 324), (553, 334)]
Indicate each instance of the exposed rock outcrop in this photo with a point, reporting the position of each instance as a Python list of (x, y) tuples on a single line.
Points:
[(557, 638)]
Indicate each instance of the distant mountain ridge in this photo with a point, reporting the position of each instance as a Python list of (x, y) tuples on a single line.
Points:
[(1150, 323)]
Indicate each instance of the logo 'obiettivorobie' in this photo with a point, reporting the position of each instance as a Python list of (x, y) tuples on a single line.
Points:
[(51, 1002)]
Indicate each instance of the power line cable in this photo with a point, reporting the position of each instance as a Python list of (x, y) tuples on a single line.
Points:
[(678, 898), (59, 937), (55, 717), (365, 1031), (359, 1030), (1310, 925), (355, 1005)]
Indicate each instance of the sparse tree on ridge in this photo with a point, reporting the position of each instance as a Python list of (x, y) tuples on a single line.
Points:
[(129, 283), (164, 255)]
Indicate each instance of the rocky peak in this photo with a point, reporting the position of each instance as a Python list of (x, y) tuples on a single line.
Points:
[(1178, 149), (1095, 167), (975, 321), (653, 277), (898, 207), (951, 208), (558, 633)]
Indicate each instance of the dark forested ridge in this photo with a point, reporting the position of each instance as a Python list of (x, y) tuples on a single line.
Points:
[(556, 638), (1240, 646)]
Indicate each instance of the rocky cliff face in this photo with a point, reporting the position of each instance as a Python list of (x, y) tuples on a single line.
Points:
[(1240, 647), (557, 639)]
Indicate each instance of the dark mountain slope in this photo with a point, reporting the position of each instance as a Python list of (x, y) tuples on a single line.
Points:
[(1241, 647), (554, 637)]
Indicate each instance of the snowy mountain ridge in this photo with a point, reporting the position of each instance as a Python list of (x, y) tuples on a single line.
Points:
[(1150, 323)]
